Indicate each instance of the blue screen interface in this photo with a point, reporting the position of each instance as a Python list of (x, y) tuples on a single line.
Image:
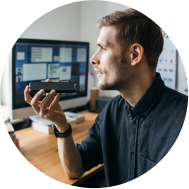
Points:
[(58, 62)]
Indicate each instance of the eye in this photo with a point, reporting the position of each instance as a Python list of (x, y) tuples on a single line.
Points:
[(103, 49)]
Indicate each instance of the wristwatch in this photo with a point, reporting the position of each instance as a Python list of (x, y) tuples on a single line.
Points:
[(62, 135)]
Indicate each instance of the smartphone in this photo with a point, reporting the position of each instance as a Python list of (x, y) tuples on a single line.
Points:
[(59, 87)]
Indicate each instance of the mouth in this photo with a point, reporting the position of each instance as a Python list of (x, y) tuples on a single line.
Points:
[(99, 74)]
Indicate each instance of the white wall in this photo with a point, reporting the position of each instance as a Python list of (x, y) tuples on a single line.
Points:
[(62, 23), (76, 21)]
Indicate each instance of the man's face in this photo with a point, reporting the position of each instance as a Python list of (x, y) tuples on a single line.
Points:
[(110, 61)]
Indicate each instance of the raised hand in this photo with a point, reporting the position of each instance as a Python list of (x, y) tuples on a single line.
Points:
[(48, 108)]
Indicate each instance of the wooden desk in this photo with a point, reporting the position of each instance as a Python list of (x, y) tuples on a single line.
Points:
[(41, 150)]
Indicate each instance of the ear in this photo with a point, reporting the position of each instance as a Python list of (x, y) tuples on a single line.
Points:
[(137, 53)]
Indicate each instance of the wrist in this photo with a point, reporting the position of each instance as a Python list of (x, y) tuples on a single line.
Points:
[(62, 128)]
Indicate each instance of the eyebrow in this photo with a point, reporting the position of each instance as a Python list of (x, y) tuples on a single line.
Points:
[(101, 45)]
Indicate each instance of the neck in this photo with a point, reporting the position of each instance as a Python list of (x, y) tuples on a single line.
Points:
[(137, 89)]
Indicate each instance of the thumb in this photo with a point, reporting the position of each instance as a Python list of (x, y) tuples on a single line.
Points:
[(47, 80)]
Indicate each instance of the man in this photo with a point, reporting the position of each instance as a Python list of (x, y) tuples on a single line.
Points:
[(137, 128)]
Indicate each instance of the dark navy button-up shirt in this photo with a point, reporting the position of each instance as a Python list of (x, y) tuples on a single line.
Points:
[(132, 140)]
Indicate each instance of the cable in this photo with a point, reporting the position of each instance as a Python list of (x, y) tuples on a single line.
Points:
[(27, 122), (7, 120)]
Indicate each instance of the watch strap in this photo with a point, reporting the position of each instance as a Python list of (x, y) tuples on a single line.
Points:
[(62, 135)]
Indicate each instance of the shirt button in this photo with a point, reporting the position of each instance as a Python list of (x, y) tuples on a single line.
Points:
[(134, 122), (132, 153)]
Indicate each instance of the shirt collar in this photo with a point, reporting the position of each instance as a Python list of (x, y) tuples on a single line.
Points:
[(145, 104)]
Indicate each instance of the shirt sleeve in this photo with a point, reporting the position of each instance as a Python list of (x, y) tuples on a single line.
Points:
[(90, 149)]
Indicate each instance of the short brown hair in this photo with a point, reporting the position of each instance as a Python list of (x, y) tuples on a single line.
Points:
[(134, 27)]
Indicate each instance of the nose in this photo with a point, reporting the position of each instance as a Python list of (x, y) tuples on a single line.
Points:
[(95, 59)]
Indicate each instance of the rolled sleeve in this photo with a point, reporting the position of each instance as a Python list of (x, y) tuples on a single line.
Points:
[(90, 149)]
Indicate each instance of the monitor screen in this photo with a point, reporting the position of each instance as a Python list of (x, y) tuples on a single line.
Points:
[(36, 60)]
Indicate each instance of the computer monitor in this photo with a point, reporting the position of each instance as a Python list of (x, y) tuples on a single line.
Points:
[(35, 60)]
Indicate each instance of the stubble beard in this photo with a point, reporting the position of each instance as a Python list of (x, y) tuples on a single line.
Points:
[(105, 86), (121, 76)]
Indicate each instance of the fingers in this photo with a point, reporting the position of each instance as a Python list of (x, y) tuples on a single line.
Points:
[(39, 107), (35, 100), (50, 101), (47, 80), (27, 97), (54, 103), (46, 102)]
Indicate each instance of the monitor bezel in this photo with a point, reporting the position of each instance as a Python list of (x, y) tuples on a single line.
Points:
[(46, 41)]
